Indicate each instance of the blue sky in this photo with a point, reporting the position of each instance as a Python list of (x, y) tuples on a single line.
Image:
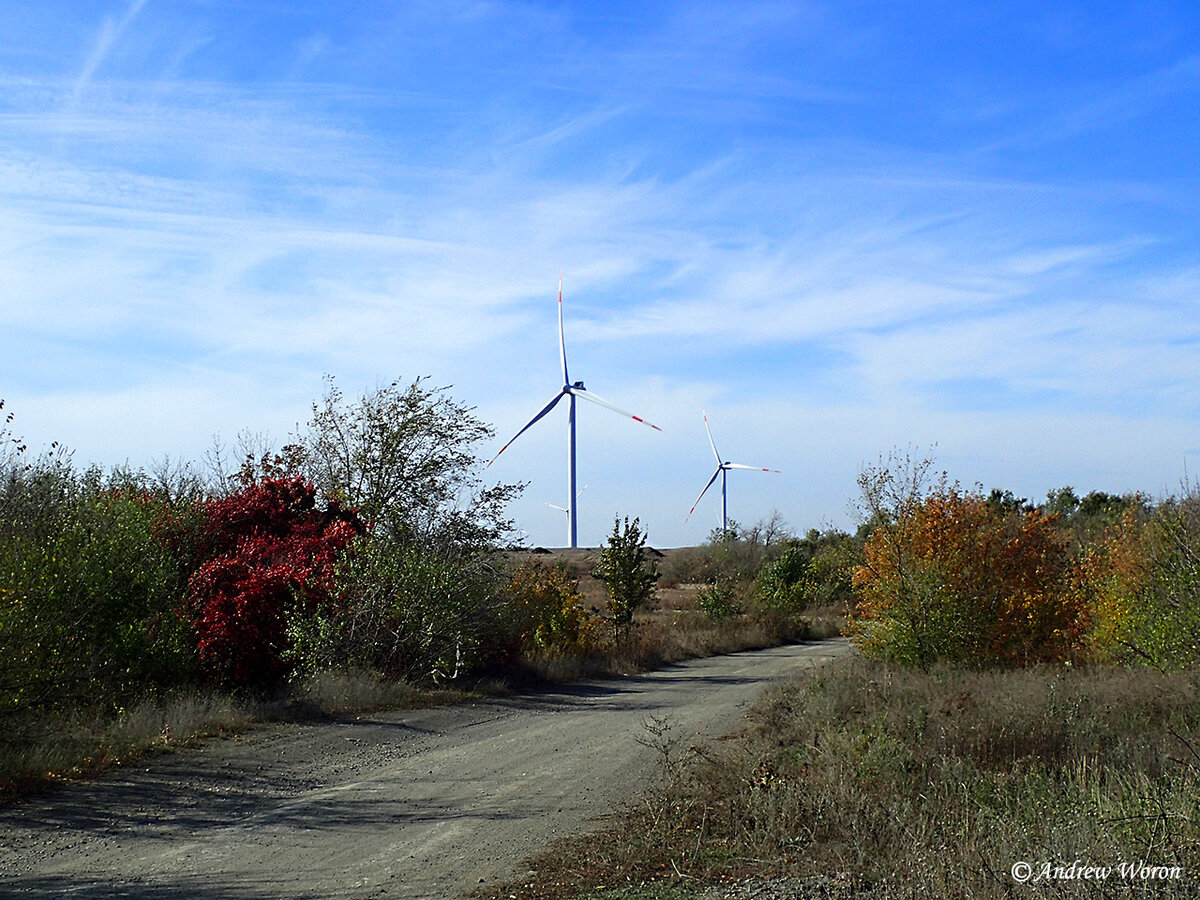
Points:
[(840, 227)]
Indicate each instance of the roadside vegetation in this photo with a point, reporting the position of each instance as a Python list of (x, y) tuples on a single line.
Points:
[(1025, 693), (1025, 688), (873, 780), (362, 565)]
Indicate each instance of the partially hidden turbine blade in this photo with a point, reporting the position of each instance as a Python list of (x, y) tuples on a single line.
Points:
[(549, 406), (600, 401), (703, 492), (711, 442), (562, 340)]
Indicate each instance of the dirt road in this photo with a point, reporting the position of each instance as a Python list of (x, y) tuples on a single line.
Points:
[(424, 803)]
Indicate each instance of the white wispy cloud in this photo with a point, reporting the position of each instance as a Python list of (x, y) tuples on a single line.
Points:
[(110, 33), (181, 256)]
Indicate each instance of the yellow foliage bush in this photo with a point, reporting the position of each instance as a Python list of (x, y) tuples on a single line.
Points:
[(548, 606), (1144, 576)]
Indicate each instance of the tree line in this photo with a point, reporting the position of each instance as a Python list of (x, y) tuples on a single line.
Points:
[(369, 542)]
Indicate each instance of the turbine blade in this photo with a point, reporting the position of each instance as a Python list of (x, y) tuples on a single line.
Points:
[(600, 401), (562, 341), (711, 443), (549, 406), (559, 508), (703, 492), (751, 468)]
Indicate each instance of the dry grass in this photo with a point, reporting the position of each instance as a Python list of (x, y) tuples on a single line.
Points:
[(920, 784), (653, 644), (335, 693), (676, 630), (83, 743), (36, 753)]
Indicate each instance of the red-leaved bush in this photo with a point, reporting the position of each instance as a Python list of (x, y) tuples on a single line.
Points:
[(265, 547)]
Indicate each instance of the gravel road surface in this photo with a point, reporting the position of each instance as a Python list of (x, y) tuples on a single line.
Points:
[(420, 803)]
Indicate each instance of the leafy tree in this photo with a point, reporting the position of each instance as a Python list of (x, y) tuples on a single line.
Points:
[(404, 458), (1103, 505), (1062, 502), (785, 584), (421, 598), (1088, 519), (730, 534), (719, 601), (1006, 501), (624, 569), (1144, 574)]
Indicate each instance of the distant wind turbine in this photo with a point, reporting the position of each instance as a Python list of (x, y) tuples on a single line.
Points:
[(722, 468), (566, 509), (571, 391)]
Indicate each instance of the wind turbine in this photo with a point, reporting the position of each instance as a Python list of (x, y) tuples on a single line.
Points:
[(722, 468), (565, 509), (571, 391)]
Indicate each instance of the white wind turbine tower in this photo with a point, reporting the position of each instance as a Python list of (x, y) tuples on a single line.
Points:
[(571, 391), (722, 468)]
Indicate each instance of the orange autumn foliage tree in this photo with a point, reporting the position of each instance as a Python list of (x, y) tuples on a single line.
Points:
[(949, 576)]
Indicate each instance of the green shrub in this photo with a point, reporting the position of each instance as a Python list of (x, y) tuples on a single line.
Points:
[(90, 590), (409, 612), (627, 573), (784, 586), (719, 601), (1144, 579)]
